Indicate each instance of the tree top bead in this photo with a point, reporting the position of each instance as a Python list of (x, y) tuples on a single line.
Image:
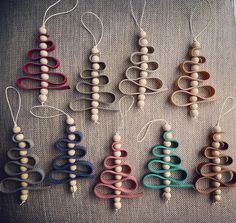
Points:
[(196, 44), (42, 30)]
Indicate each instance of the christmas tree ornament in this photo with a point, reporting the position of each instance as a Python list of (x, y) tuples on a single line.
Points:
[(165, 171), (39, 72), (94, 98), (191, 90), (215, 174), (68, 167), (138, 81), (116, 181), (23, 173)]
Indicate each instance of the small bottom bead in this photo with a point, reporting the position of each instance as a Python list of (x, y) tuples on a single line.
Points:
[(117, 205)]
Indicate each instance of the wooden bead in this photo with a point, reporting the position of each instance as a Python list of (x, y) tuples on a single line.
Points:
[(44, 61), (195, 67), (167, 182), (44, 68), (24, 176), (194, 91), (95, 66), (43, 38), (117, 146), (166, 195), (142, 90), (117, 205), (118, 177), (193, 83), (71, 137), (94, 118), (165, 167), (144, 58), (95, 89), (23, 168), (144, 42), (95, 81), (73, 189), (95, 96), (43, 53), (166, 127), (193, 99), (117, 162), (167, 158), (94, 74), (73, 167), (72, 175), (143, 73), (117, 192), (167, 174), (196, 44), (24, 184), (116, 137), (167, 144), (70, 121), (141, 97), (215, 145), (24, 160), (44, 91), (217, 129), (216, 168), (117, 199), (169, 135), (217, 198), (167, 189), (142, 82), (42, 97), (117, 153), (118, 184), (141, 104), (16, 130), (95, 104), (196, 53), (166, 151), (19, 137), (215, 153), (94, 111), (71, 145), (95, 50), (144, 50), (24, 192), (72, 160), (44, 84), (194, 106), (195, 59), (194, 75), (43, 46), (42, 30), (215, 184), (144, 66), (24, 197), (23, 152), (194, 113), (216, 160), (71, 152), (142, 34), (217, 137), (95, 58), (73, 182), (118, 169), (72, 128), (218, 191), (218, 176)]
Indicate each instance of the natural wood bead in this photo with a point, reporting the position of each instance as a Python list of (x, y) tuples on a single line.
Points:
[(217, 137), (116, 199), (194, 75), (215, 145), (118, 169), (24, 176), (118, 184), (216, 168), (167, 174), (23, 168), (166, 195), (24, 197), (167, 143), (167, 189), (167, 182), (166, 151), (218, 191), (71, 152), (217, 198), (215, 184), (24, 184), (165, 167), (116, 137), (73, 189), (19, 137), (215, 153), (117, 192), (16, 130), (117, 146), (118, 177), (71, 175), (73, 182), (117, 205), (24, 192), (24, 160), (117, 153), (217, 129), (73, 167), (167, 158), (216, 160), (118, 162), (23, 152)]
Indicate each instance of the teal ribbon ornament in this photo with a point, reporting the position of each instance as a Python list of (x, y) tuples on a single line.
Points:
[(175, 166)]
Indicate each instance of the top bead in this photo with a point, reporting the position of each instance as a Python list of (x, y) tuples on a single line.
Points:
[(42, 30), (142, 34), (95, 50), (196, 44)]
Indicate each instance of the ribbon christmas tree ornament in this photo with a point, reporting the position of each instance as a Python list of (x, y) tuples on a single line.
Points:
[(93, 81), (165, 171), (68, 167), (23, 173), (39, 72), (216, 174), (190, 84), (116, 181), (138, 81)]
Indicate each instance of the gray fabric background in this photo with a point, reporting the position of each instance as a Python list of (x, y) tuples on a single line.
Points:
[(166, 22)]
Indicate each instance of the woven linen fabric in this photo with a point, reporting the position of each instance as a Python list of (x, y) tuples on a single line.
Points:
[(167, 25)]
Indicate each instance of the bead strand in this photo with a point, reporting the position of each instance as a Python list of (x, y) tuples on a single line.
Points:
[(19, 137), (118, 169), (95, 82), (217, 168), (144, 66), (194, 83), (166, 194), (71, 152), (44, 69)]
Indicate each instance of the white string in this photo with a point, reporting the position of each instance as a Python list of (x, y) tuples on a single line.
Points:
[(147, 127), (227, 111), (141, 18), (14, 118), (56, 14), (195, 36), (124, 114), (48, 106), (86, 27)]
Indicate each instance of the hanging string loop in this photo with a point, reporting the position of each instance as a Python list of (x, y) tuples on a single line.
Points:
[(14, 117), (96, 43), (45, 18)]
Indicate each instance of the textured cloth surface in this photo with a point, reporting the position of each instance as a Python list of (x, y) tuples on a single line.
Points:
[(166, 23)]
